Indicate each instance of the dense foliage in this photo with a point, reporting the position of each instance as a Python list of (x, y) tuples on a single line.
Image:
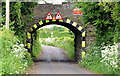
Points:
[(65, 43), (107, 63), (105, 17), (57, 32), (62, 38), (21, 14), (36, 45), (15, 58)]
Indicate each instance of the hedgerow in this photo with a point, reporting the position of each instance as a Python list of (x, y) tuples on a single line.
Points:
[(15, 58), (102, 60), (105, 17), (21, 14)]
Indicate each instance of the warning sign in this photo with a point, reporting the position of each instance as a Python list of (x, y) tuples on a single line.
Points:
[(77, 11), (49, 16), (58, 16)]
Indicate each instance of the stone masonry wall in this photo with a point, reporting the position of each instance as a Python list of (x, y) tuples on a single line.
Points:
[(41, 10)]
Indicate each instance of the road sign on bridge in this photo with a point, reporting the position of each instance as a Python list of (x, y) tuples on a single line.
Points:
[(49, 16), (77, 11), (77, 29), (58, 16)]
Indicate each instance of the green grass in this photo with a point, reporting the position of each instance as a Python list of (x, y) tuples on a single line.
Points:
[(0, 67), (65, 43), (92, 61), (0, 54), (36, 49), (15, 58)]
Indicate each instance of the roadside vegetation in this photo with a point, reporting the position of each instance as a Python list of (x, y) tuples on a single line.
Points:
[(57, 32), (102, 60), (65, 43), (103, 57), (61, 37), (14, 57), (36, 45)]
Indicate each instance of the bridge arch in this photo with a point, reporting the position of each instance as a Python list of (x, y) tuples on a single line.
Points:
[(78, 30)]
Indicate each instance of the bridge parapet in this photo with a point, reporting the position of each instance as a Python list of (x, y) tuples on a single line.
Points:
[(41, 10)]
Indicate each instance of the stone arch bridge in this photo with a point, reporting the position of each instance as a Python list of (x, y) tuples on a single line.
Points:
[(41, 10), (69, 21)]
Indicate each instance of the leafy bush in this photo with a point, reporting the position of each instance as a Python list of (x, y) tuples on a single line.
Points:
[(15, 58), (36, 45), (105, 17), (36, 49), (110, 55), (57, 32), (96, 62), (21, 14), (63, 42)]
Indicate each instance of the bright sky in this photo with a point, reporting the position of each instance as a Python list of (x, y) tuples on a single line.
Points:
[(52, 1), (49, 26)]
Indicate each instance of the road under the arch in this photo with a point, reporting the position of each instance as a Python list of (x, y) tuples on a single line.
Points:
[(47, 65), (77, 29)]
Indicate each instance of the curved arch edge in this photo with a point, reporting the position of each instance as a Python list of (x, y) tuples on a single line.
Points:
[(40, 23)]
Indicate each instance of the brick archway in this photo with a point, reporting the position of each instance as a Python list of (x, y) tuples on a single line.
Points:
[(73, 26)]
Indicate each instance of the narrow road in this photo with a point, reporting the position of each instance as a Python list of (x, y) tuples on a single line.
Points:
[(49, 63)]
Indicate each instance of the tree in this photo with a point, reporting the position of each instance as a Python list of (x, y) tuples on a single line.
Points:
[(21, 14), (102, 16)]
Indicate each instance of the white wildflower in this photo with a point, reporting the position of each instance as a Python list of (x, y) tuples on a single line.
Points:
[(110, 54), (16, 55), (21, 45), (16, 50), (16, 71), (10, 73)]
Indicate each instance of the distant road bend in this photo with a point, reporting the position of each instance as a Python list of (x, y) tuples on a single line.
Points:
[(53, 60)]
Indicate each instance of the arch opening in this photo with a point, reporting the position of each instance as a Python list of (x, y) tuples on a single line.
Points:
[(78, 31)]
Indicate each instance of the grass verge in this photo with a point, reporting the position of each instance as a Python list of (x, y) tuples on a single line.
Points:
[(65, 43), (15, 58), (94, 61)]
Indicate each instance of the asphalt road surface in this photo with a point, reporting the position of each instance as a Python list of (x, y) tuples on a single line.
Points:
[(50, 63)]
